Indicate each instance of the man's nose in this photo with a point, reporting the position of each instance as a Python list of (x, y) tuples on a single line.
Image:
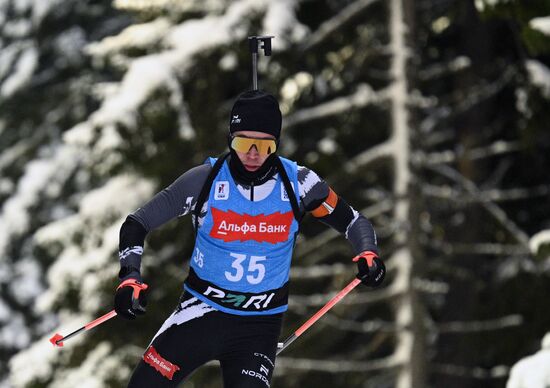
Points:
[(253, 151)]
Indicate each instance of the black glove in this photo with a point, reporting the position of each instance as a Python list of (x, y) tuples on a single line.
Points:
[(370, 269), (130, 299)]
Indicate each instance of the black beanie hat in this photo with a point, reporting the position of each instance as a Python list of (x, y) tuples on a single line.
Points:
[(256, 110)]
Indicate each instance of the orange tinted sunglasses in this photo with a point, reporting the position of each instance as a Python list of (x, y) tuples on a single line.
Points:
[(244, 144)]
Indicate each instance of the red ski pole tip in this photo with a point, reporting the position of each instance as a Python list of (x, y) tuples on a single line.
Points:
[(56, 340)]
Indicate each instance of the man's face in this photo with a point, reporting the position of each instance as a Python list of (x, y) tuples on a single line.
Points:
[(252, 160)]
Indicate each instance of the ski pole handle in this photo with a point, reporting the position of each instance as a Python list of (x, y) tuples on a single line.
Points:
[(137, 287), (330, 304), (57, 339)]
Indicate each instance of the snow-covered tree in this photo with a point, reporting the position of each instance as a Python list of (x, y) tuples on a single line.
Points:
[(428, 117)]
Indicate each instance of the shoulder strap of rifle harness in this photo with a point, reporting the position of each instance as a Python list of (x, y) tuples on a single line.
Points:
[(205, 191), (289, 190)]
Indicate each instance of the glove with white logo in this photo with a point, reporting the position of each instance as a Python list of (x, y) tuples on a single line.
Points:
[(130, 299), (371, 270)]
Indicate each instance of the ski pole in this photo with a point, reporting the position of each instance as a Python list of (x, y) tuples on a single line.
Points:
[(57, 339), (137, 287), (253, 46), (330, 304)]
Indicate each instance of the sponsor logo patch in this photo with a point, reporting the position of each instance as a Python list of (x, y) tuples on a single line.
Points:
[(222, 190), (164, 367), (239, 300), (231, 226), (256, 375)]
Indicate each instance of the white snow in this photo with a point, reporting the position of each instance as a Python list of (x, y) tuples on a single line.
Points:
[(539, 75), (100, 364), (39, 174), (140, 36), (40, 356), (293, 88), (9, 53), (91, 262), (107, 201), (5, 272), (482, 4), (69, 45), (539, 239), (522, 101), (3, 12), (109, 141), (228, 62), (541, 24), (4, 311), (17, 28), (280, 19), (38, 8), (21, 6), (84, 266), (25, 284), (14, 333), (35, 363), (24, 69), (327, 145), (532, 371), (145, 75), (175, 6), (441, 24), (42, 8), (195, 36), (80, 135), (6, 186), (156, 71), (61, 231)]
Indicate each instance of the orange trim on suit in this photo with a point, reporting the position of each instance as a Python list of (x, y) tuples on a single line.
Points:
[(328, 205)]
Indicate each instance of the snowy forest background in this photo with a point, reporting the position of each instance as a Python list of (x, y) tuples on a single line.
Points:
[(428, 116)]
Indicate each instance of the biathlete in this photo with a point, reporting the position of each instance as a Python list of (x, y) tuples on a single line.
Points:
[(246, 207)]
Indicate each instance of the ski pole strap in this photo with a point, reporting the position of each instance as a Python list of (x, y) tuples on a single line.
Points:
[(135, 284)]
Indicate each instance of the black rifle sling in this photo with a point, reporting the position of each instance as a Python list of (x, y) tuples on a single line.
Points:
[(205, 191), (289, 191)]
